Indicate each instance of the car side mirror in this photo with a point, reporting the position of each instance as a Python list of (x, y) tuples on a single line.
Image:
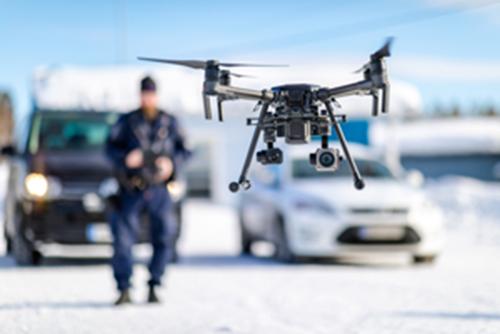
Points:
[(9, 150), (415, 178)]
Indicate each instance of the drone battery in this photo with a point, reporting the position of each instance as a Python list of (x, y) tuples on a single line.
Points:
[(297, 132)]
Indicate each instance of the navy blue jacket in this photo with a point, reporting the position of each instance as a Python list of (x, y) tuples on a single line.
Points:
[(133, 131)]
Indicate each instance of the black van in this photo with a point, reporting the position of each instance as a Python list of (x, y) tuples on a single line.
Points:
[(59, 182)]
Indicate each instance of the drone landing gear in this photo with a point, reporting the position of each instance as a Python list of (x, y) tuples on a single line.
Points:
[(358, 180), (243, 182)]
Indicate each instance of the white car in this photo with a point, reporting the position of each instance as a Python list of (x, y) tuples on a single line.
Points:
[(306, 213)]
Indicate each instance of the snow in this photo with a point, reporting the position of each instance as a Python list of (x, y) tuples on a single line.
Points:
[(444, 136), (215, 291)]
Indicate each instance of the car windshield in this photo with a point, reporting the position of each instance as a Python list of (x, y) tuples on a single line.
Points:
[(70, 131), (302, 169)]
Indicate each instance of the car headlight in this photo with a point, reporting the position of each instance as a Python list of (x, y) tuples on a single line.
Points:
[(36, 185), (40, 186), (313, 205)]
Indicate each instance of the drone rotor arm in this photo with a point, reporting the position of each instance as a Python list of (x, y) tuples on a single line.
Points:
[(243, 93), (356, 88)]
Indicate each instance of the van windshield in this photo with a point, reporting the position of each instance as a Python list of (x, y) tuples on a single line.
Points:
[(302, 169), (70, 131)]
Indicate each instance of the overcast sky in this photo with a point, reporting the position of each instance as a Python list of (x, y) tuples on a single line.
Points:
[(451, 58)]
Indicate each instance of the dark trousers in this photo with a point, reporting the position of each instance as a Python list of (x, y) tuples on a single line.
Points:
[(125, 227)]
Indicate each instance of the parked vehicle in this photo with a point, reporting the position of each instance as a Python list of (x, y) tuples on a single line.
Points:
[(59, 182), (306, 213)]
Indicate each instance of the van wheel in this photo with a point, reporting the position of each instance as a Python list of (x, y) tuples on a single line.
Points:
[(282, 250), (8, 245), (24, 252), (429, 259)]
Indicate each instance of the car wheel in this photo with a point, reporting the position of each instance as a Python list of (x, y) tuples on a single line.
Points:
[(282, 250), (424, 258), (245, 239)]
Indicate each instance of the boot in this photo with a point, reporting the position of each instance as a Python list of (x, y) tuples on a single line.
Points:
[(124, 298), (152, 296)]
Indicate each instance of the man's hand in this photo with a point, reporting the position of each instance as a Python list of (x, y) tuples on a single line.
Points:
[(135, 159), (165, 168)]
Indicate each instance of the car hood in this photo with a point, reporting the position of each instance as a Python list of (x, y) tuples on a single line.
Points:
[(341, 193)]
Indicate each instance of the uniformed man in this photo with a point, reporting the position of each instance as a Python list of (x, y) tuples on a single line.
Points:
[(146, 148)]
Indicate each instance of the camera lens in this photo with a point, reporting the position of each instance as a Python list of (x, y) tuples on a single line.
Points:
[(326, 159)]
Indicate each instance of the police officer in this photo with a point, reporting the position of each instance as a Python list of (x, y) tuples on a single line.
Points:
[(146, 148)]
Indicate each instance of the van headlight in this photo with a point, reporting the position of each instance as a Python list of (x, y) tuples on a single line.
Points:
[(40, 186), (36, 185)]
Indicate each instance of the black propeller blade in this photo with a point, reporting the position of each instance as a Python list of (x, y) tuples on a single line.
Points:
[(237, 75), (251, 65), (196, 64), (199, 64), (384, 51)]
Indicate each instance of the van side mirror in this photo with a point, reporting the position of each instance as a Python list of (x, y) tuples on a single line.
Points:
[(9, 150)]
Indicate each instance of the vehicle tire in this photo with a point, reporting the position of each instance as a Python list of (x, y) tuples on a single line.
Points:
[(24, 253), (8, 244), (282, 250), (245, 239), (429, 259)]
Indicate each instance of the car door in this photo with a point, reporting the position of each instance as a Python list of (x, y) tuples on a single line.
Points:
[(260, 203)]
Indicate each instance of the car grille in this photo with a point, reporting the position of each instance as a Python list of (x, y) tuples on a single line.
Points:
[(78, 189), (352, 236), (364, 211)]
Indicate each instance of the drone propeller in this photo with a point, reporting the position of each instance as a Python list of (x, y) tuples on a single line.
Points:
[(200, 64), (237, 75), (251, 65), (384, 51)]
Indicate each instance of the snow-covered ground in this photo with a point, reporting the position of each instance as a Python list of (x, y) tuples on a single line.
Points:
[(214, 291)]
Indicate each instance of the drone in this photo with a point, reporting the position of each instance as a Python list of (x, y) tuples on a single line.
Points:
[(295, 112)]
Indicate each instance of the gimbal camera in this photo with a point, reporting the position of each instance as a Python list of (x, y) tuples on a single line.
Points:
[(295, 112)]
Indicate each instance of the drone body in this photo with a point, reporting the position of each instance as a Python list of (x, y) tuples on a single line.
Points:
[(295, 112)]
